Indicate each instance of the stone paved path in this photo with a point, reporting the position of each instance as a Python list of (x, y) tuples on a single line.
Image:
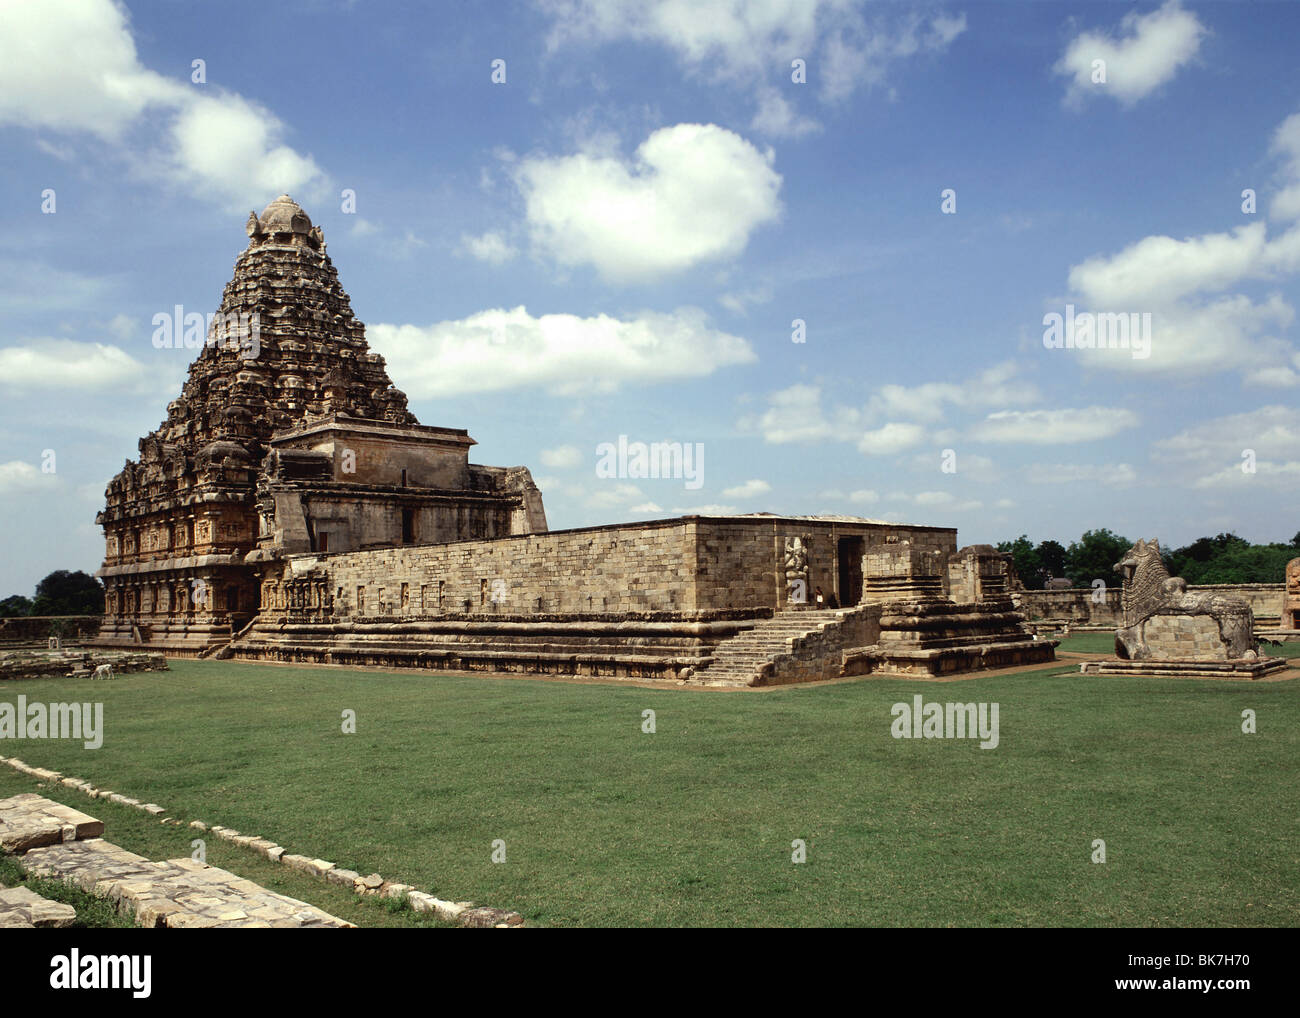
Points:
[(24, 910), (63, 844), (30, 821)]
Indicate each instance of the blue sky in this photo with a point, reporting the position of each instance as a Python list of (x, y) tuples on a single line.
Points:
[(618, 238)]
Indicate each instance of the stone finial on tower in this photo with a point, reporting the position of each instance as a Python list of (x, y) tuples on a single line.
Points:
[(284, 222)]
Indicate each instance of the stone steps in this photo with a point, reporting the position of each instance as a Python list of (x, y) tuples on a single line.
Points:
[(737, 661)]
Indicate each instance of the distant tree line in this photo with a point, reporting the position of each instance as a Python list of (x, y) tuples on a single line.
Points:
[(1226, 558), (60, 593)]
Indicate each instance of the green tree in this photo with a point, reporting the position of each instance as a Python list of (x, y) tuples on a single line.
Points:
[(68, 593), (1051, 554), (15, 606), (1028, 565), (1093, 557)]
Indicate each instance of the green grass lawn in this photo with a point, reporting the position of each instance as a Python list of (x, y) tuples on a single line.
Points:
[(692, 825)]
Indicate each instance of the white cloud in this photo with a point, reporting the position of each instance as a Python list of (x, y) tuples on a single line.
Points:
[(495, 350), (1267, 474), (712, 509), (490, 247), (64, 364), (562, 457), (693, 193), (739, 301), (795, 415), (864, 496), (778, 118), (1109, 474), (750, 489), (610, 496), (1052, 427), (1158, 270), (1271, 432), (891, 438), (995, 386), (71, 66), (646, 507), (1149, 52), (16, 475), (846, 44)]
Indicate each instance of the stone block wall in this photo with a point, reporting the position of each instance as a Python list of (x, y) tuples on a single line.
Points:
[(1185, 638), (1076, 603), (36, 628), (602, 570), (686, 564)]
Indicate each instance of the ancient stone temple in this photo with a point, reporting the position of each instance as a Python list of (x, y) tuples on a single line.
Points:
[(288, 436), (291, 508), (1168, 630)]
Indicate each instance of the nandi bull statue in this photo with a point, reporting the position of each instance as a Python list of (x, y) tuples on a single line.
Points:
[(1158, 606)]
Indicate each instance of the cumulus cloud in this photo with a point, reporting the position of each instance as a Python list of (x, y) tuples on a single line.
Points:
[(44, 364), (891, 438), (70, 66), (1149, 51), (777, 117), (17, 475), (1197, 326), (490, 247), (1109, 474), (497, 350), (563, 457), (794, 414), (1271, 433), (1053, 427), (750, 489), (999, 385), (692, 193), (850, 44)]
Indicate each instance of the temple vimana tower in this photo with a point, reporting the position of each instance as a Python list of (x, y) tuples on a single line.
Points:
[(292, 508), (288, 436)]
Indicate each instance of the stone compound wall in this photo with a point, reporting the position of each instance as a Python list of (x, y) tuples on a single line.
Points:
[(1265, 600), (35, 629), (687, 564), (603, 570)]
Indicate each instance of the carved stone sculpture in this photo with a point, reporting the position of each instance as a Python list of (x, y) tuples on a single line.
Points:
[(1162, 620)]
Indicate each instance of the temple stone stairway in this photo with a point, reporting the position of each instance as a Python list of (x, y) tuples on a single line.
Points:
[(748, 658)]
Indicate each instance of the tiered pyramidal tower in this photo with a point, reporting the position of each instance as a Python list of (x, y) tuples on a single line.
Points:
[(288, 436)]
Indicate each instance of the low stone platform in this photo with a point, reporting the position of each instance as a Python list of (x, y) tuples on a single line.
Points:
[(934, 637), (61, 843), (176, 894), (655, 645), (22, 909), (75, 663), (1252, 669), (31, 821)]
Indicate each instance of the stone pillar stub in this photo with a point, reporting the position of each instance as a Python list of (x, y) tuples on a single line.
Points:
[(901, 572)]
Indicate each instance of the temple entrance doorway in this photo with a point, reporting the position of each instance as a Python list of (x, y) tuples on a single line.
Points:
[(850, 571)]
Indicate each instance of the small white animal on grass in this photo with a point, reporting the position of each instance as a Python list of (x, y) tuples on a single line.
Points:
[(103, 672)]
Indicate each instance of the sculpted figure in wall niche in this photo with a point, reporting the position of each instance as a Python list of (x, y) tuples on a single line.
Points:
[(795, 564)]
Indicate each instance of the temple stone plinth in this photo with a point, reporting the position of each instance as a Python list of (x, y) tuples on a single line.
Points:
[(924, 632)]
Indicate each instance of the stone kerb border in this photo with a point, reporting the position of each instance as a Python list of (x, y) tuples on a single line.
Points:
[(463, 913)]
